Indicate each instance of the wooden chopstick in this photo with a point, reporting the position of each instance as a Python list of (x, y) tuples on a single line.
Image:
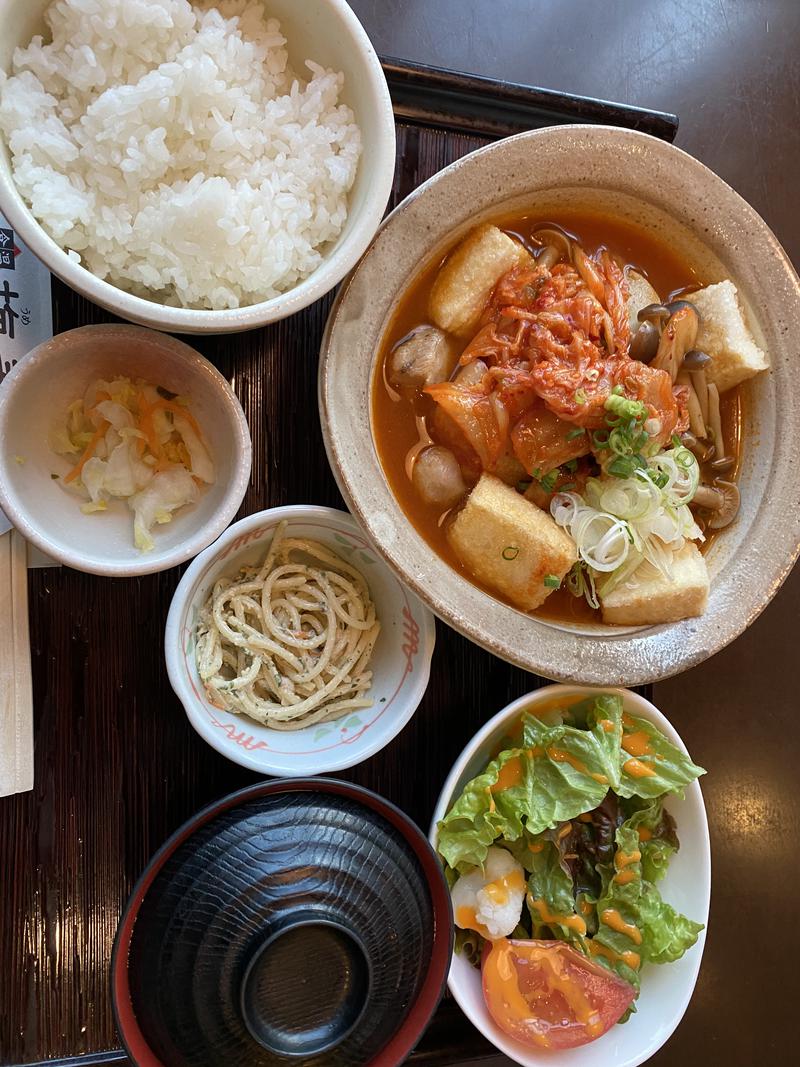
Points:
[(16, 692)]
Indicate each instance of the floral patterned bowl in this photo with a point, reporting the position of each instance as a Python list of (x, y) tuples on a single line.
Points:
[(400, 661)]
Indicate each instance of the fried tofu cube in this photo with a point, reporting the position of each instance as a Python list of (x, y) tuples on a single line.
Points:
[(724, 335), (509, 544), (465, 282), (648, 598)]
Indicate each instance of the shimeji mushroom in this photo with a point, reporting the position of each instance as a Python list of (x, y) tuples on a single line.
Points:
[(696, 421), (695, 363), (644, 343), (655, 313), (715, 421), (721, 499), (677, 338), (555, 245)]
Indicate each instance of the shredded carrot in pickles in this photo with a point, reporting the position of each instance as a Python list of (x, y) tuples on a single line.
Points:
[(123, 451), (97, 437)]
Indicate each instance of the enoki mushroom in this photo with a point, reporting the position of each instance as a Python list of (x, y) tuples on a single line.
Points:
[(289, 643)]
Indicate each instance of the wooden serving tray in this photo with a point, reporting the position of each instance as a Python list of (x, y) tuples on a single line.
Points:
[(118, 768)]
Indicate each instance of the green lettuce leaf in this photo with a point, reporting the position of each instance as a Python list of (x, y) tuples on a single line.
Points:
[(663, 933), (577, 752), (469, 943), (482, 814), (670, 770), (560, 772), (551, 894), (567, 762), (658, 839)]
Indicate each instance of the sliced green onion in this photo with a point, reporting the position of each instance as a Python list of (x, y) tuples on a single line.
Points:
[(625, 466), (575, 433), (580, 396), (510, 552), (552, 581), (684, 458), (629, 409)]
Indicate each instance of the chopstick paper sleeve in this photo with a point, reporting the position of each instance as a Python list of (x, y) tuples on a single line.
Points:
[(16, 697)]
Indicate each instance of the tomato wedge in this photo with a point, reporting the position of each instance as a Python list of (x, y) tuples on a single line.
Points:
[(549, 995)]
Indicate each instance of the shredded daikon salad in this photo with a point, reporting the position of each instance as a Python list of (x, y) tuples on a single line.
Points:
[(133, 441), (620, 521)]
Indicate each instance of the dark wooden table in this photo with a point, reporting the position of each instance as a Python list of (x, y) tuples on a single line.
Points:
[(117, 766)]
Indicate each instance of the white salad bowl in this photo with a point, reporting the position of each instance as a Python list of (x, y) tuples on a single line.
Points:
[(326, 31), (667, 988), (400, 661), (36, 394)]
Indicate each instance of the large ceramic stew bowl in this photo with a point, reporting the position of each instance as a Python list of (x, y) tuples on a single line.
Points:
[(675, 201)]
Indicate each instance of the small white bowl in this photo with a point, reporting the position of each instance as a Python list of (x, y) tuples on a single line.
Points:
[(400, 662), (39, 389), (326, 31), (666, 989)]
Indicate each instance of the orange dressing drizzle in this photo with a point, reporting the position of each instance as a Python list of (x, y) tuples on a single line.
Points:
[(645, 833), (510, 775), (536, 846), (637, 744), (466, 918), (607, 724), (633, 959), (558, 755), (503, 975), (565, 829), (499, 890), (624, 877), (572, 922), (611, 917), (625, 859), (585, 816), (636, 769)]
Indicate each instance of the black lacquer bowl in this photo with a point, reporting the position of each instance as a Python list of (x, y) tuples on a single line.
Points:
[(295, 922)]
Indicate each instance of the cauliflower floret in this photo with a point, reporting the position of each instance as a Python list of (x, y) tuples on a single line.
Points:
[(490, 900)]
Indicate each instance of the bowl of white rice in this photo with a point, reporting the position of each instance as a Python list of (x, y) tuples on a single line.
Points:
[(193, 165)]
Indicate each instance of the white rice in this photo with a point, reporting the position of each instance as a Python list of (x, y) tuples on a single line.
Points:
[(170, 146)]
